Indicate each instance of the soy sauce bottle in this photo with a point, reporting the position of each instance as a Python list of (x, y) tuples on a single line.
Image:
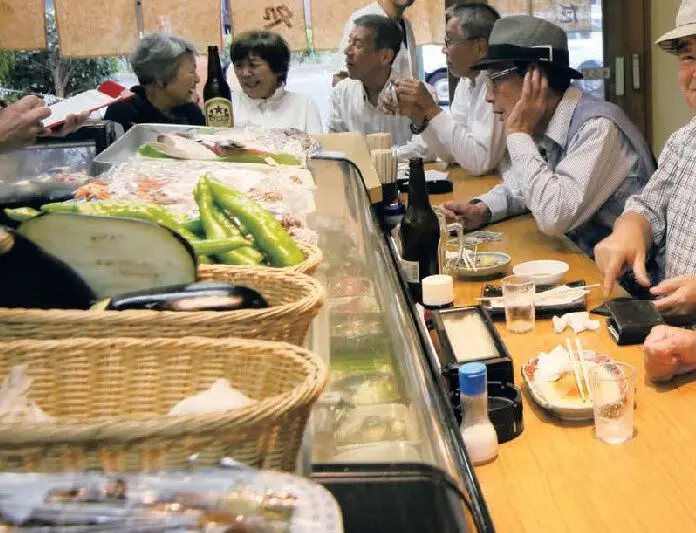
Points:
[(420, 233), (216, 94)]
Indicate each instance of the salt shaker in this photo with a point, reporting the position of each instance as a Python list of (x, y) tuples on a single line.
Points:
[(477, 431)]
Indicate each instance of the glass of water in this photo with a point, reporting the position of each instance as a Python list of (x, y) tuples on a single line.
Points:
[(613, 386), (518, 299)]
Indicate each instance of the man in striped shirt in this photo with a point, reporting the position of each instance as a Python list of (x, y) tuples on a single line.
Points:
[(571, 160)]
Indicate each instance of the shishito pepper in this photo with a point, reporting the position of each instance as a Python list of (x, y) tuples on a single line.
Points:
[(215, 230), (218, 246), (233, 231), (269, 235), (21, 214)]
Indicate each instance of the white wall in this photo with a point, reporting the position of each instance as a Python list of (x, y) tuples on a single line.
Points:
[(669, 111)]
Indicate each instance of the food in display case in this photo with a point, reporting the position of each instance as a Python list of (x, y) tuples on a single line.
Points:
[(214, 501)]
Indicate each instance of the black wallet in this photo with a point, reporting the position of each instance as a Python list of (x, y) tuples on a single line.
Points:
[(630, 321)]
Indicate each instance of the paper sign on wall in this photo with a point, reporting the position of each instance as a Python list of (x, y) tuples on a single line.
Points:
[(328, 20), (571, 15), (286, 17), (22, 25), (90, 29), (428, 20), (199, 22)]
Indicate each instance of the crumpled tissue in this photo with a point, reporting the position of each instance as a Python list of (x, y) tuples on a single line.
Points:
[(219, 397), (15, 405), (577, 321)]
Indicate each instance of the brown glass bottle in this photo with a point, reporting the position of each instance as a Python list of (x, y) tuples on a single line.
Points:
[(216, 94), (420, 233)]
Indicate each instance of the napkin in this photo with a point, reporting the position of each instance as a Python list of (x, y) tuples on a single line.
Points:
[(578, 322), (219, 397), (15, 405)]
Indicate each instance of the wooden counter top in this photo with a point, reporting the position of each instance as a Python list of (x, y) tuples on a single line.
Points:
[(556, 477)]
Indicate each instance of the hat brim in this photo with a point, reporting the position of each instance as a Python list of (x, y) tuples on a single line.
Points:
[(668, 42), (487, 63)]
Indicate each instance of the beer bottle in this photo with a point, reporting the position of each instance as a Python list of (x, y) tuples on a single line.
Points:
[(216, 94), (420, 233)]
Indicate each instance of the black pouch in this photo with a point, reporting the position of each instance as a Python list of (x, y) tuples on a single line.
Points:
[(630, 321)]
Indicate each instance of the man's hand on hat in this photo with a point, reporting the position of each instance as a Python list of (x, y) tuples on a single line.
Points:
[(531, 107)]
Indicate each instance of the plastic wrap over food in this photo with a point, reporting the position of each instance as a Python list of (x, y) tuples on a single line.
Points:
[(278, 141), (285, 191), (211, 501)]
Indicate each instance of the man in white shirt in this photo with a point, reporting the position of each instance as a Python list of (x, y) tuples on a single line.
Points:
[(471, 134), (358, 103), (405, 64)]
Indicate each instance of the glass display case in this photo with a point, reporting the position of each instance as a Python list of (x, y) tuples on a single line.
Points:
[(382, 437)]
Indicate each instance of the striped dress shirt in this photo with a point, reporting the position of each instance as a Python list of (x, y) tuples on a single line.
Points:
[(564, 182)]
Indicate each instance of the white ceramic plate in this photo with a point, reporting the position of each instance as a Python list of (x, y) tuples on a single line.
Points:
[(565, 410), (542, 272)]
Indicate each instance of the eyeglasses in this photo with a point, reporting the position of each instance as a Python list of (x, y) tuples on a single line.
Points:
[(450, 41), (493, 79)]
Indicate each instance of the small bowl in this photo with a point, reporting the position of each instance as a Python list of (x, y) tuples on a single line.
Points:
[(495, 263), (542, 272)]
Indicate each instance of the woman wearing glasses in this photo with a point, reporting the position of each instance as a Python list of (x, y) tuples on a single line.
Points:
[(261, 61)]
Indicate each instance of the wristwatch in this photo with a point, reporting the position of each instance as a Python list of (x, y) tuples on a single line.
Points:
[(417, 130), (489, 214)]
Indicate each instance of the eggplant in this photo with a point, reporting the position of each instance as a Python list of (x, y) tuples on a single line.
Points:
[(32, 278), (114, 255), (200, 296)]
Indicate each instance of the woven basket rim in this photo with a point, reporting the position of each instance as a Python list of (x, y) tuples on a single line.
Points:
[(314, 295), (122, 429)]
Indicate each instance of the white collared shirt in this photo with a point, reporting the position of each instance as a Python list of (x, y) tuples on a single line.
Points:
[(405, 66), (284, 109), (470, 134), (565, 195), (351, 110)]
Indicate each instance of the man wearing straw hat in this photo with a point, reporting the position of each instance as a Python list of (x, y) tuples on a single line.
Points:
[(572, 160), (662, 217), (471, 134)]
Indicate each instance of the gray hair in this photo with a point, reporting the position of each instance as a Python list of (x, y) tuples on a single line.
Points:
[(157, 58), (476, 21)]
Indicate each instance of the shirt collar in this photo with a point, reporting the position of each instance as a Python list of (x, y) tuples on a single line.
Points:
[(275, 97), (559, 124), (392, 77)]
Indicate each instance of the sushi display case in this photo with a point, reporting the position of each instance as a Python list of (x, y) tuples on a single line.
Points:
[(383, 438)]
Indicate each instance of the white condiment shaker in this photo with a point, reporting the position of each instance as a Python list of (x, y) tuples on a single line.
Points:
[(477, 431)]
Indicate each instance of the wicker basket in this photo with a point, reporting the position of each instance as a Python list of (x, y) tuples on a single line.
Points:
[(313, 258), (294, 300), (109, 398)]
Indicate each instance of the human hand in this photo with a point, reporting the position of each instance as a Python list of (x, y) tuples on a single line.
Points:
[(621, 249), (72, 123), (20, 122), (679, 296), (416, 101), (470, 216), (532, 105), (669, 352)]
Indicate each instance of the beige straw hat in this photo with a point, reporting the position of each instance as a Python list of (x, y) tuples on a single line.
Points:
[(686, 26)]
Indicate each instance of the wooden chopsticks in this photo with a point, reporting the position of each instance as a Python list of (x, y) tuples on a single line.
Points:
[(582, 378)]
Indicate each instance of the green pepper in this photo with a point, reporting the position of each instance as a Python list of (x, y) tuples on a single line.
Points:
[(21, 214), (234, 231), (269, 234), (215, 230), (194, 225), (60, 207), (218, 246)]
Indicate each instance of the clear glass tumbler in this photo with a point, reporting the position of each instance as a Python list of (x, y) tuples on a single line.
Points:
[(613, 387), (518, 298)]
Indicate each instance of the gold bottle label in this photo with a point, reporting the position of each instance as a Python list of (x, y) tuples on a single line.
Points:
[(218, 113)]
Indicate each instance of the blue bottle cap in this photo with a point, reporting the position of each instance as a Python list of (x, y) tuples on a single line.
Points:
[(473, 379)]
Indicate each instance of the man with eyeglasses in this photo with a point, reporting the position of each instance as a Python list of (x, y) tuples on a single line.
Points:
[(405, 64), (363, 103), (572, 160), (470, 134)]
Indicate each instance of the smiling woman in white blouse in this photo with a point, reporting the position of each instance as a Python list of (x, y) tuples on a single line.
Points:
[(261, 61)]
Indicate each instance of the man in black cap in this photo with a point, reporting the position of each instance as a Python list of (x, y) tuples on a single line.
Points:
[(571, 159)]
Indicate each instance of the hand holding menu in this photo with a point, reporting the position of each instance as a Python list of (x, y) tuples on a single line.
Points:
[(104, 95)]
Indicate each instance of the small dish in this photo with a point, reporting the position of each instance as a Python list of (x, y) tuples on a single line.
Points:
[(542, 272), (488, 264), (571, 409)]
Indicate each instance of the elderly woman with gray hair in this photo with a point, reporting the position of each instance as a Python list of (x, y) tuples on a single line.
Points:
[(166, 70)]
